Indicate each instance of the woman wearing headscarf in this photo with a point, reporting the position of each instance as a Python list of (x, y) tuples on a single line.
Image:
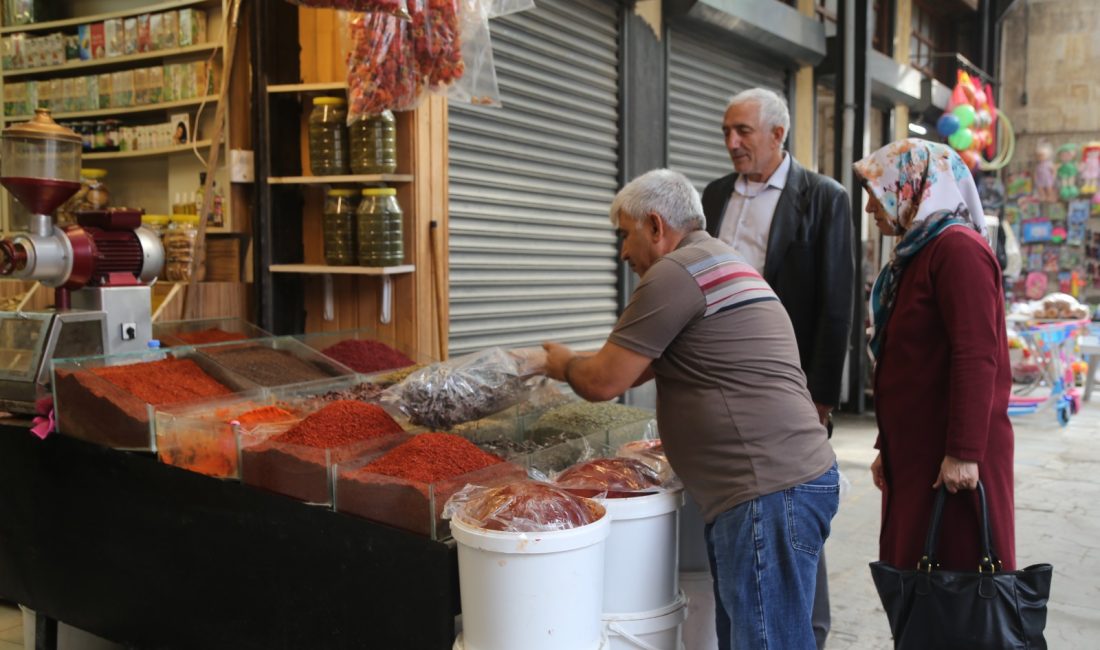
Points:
[(942, 376)]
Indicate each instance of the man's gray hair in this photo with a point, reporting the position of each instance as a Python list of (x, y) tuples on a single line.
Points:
[(773, 108), (668, 193)]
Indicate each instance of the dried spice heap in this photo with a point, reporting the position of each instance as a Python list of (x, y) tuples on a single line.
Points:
[(364, 392), (163, 382), (367, 356), (341, 423), (431, 457), (263, 415), (212, 335), (267, 366), (590, 417)]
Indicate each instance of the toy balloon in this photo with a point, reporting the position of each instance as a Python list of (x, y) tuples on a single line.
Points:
[(970, 158), (961, 139), (966, 114), (947, 124), (982, 119)]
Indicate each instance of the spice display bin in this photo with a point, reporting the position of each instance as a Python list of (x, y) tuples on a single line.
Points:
[(200, 437), (185, 332), (631, 431), (407, 504), (322, 341), (299, 471), (94, 409), (278, 361)]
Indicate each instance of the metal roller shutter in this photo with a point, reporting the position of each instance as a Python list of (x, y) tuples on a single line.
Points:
[(701, 79), (532, 253)]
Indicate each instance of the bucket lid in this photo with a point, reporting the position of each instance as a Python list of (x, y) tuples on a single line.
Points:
[(555, 541)]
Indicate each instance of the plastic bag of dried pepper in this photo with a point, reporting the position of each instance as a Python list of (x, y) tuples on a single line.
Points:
[(609, 478), (382, 69), (462, 389), (395, 7), (521, 507), (436, 41), (651, 452)]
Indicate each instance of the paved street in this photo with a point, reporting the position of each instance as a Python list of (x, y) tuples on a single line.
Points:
[(1057, 521)]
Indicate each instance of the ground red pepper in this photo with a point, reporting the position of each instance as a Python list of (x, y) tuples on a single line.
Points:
[(163, 382), (263, 415), (367, 356), (341, 423), (213, 335), (431, 457)]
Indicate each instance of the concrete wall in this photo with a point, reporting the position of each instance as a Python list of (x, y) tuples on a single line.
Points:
[(1051, 51)]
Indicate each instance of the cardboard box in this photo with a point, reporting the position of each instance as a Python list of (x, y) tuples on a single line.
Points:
[(156, 26), (144, 37), (156, 85), (98, 41), (141, 86), (105, 89), (170, 30), (84, 41), (114, 37), (130, 35), (186, 26)]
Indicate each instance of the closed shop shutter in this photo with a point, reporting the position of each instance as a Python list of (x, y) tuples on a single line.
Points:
[(532, 254), (702, 76)]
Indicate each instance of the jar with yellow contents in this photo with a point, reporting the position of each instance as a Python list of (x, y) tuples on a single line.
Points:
[(338, 227), (380, 231)]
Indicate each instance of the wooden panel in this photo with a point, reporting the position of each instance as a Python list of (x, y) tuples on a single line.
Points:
[(213, 300)]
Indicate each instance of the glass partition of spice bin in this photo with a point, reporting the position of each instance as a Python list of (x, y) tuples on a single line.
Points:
[(408, 501), (574, 430), (365, 350), (276, 361), (111, 399), (206, 330)]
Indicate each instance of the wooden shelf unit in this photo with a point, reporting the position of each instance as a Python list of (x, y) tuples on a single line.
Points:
[(324, 269), (53, 25), (129, 110), (113, 62), (140, 153), (348, 178)]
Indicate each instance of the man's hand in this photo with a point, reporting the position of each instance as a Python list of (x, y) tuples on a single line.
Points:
[(823, 411), (957, 475), (557, 357), (877, 475)]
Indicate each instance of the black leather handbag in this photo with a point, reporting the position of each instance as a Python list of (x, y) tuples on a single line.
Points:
[(955, 610)]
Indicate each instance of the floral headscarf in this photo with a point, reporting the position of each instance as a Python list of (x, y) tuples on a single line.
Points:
[(924, 188)]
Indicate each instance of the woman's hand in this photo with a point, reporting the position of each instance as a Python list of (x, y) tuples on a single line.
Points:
[(877, 475), (957, 475)]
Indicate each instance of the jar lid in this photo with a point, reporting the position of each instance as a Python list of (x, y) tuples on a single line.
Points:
[(328, 101), (42, 127), (158, 219), (185, 218), (338, 192), (89, 172), (379, 191)]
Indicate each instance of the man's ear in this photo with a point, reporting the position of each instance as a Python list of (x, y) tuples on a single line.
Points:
[(655, 226), (779, 134)]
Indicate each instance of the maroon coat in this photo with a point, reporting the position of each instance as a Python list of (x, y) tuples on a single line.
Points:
[(941, 387)]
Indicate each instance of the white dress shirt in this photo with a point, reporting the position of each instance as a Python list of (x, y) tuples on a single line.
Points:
[(747, 220)]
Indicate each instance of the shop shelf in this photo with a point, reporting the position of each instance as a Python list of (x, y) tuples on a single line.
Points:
[(113, 62), (123, 110), (345, 178), (152, 8), (273, 362), (171, 333), (322, 269), (200, 437), (140, 153), (307, 88)]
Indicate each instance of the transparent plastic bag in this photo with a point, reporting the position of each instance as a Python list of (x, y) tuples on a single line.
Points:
[(436, 42), (395, 7), (466, 388), (651, 452), (382, 70), (614, 477), (498, 8), (478, 83), (521, 507)]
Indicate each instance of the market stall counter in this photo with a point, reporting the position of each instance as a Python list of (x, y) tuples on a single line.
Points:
[(154, 556)]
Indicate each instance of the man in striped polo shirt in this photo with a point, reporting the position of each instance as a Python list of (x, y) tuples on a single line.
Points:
[(735, 416)]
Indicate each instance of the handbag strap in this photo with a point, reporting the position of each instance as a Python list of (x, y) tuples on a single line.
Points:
[(988, 562)]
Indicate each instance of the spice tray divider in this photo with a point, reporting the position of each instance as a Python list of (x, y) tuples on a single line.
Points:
[(409, 505), (199, 437), (92, 408), (169, 332)]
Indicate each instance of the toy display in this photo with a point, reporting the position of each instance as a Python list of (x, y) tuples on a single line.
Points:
[(970, 126), (1067, 172)]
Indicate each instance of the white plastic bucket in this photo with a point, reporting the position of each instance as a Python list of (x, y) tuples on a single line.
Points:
[(535, 591), (641, 565), (653, 630), (698, 629)]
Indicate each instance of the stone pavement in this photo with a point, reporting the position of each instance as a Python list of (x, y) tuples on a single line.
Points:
[(1057, 521)]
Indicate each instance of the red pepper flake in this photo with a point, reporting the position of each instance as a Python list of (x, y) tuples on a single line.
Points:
[(367, 356), (431, 457), (263, 415), (163, 382), (212, 335), (341, 423)]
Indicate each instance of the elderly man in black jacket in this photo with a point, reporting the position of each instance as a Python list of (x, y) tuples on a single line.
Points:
[(795, 227)]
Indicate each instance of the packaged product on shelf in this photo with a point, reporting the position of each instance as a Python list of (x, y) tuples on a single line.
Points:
[(12, 51), (156, 26), (72, 47), (156, 85), (84, 41), (185, 36), (179, 247), (170, 30), (67, 93), (144, 36), (20, 12), (198, 26), (56, 94), (122, 88), (114, 37), (56, 44), (32, 53), (125, 138), (98, 41), (105, 86), (141, 86), (130, 35)]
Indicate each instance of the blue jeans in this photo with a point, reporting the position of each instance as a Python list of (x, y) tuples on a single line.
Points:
[(763, 557)]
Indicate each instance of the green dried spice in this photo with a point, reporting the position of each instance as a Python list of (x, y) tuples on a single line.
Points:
[(587, 418)]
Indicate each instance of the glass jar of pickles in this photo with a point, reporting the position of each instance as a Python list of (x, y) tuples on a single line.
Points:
[(339, 227), (374, 144), (328, 137), (381, 242), (179, 246)]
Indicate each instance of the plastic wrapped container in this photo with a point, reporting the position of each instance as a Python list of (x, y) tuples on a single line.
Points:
[(90, 405), (274, 361), (374, 144), (328, 137), (179, 246), (339, 228), (380, 230), (206, 330)]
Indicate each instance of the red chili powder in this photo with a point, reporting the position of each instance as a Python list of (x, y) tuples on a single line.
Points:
[(367, 356), (263, 415), (341, 423), (431, 457), (163, 382), (213, 335)]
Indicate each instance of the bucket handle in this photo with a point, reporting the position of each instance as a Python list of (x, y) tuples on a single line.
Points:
[(614, 627)]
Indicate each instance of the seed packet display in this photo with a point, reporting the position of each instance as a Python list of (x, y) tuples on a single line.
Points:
[(114, 37), (130, 35), (98, 41), (144, 35)]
